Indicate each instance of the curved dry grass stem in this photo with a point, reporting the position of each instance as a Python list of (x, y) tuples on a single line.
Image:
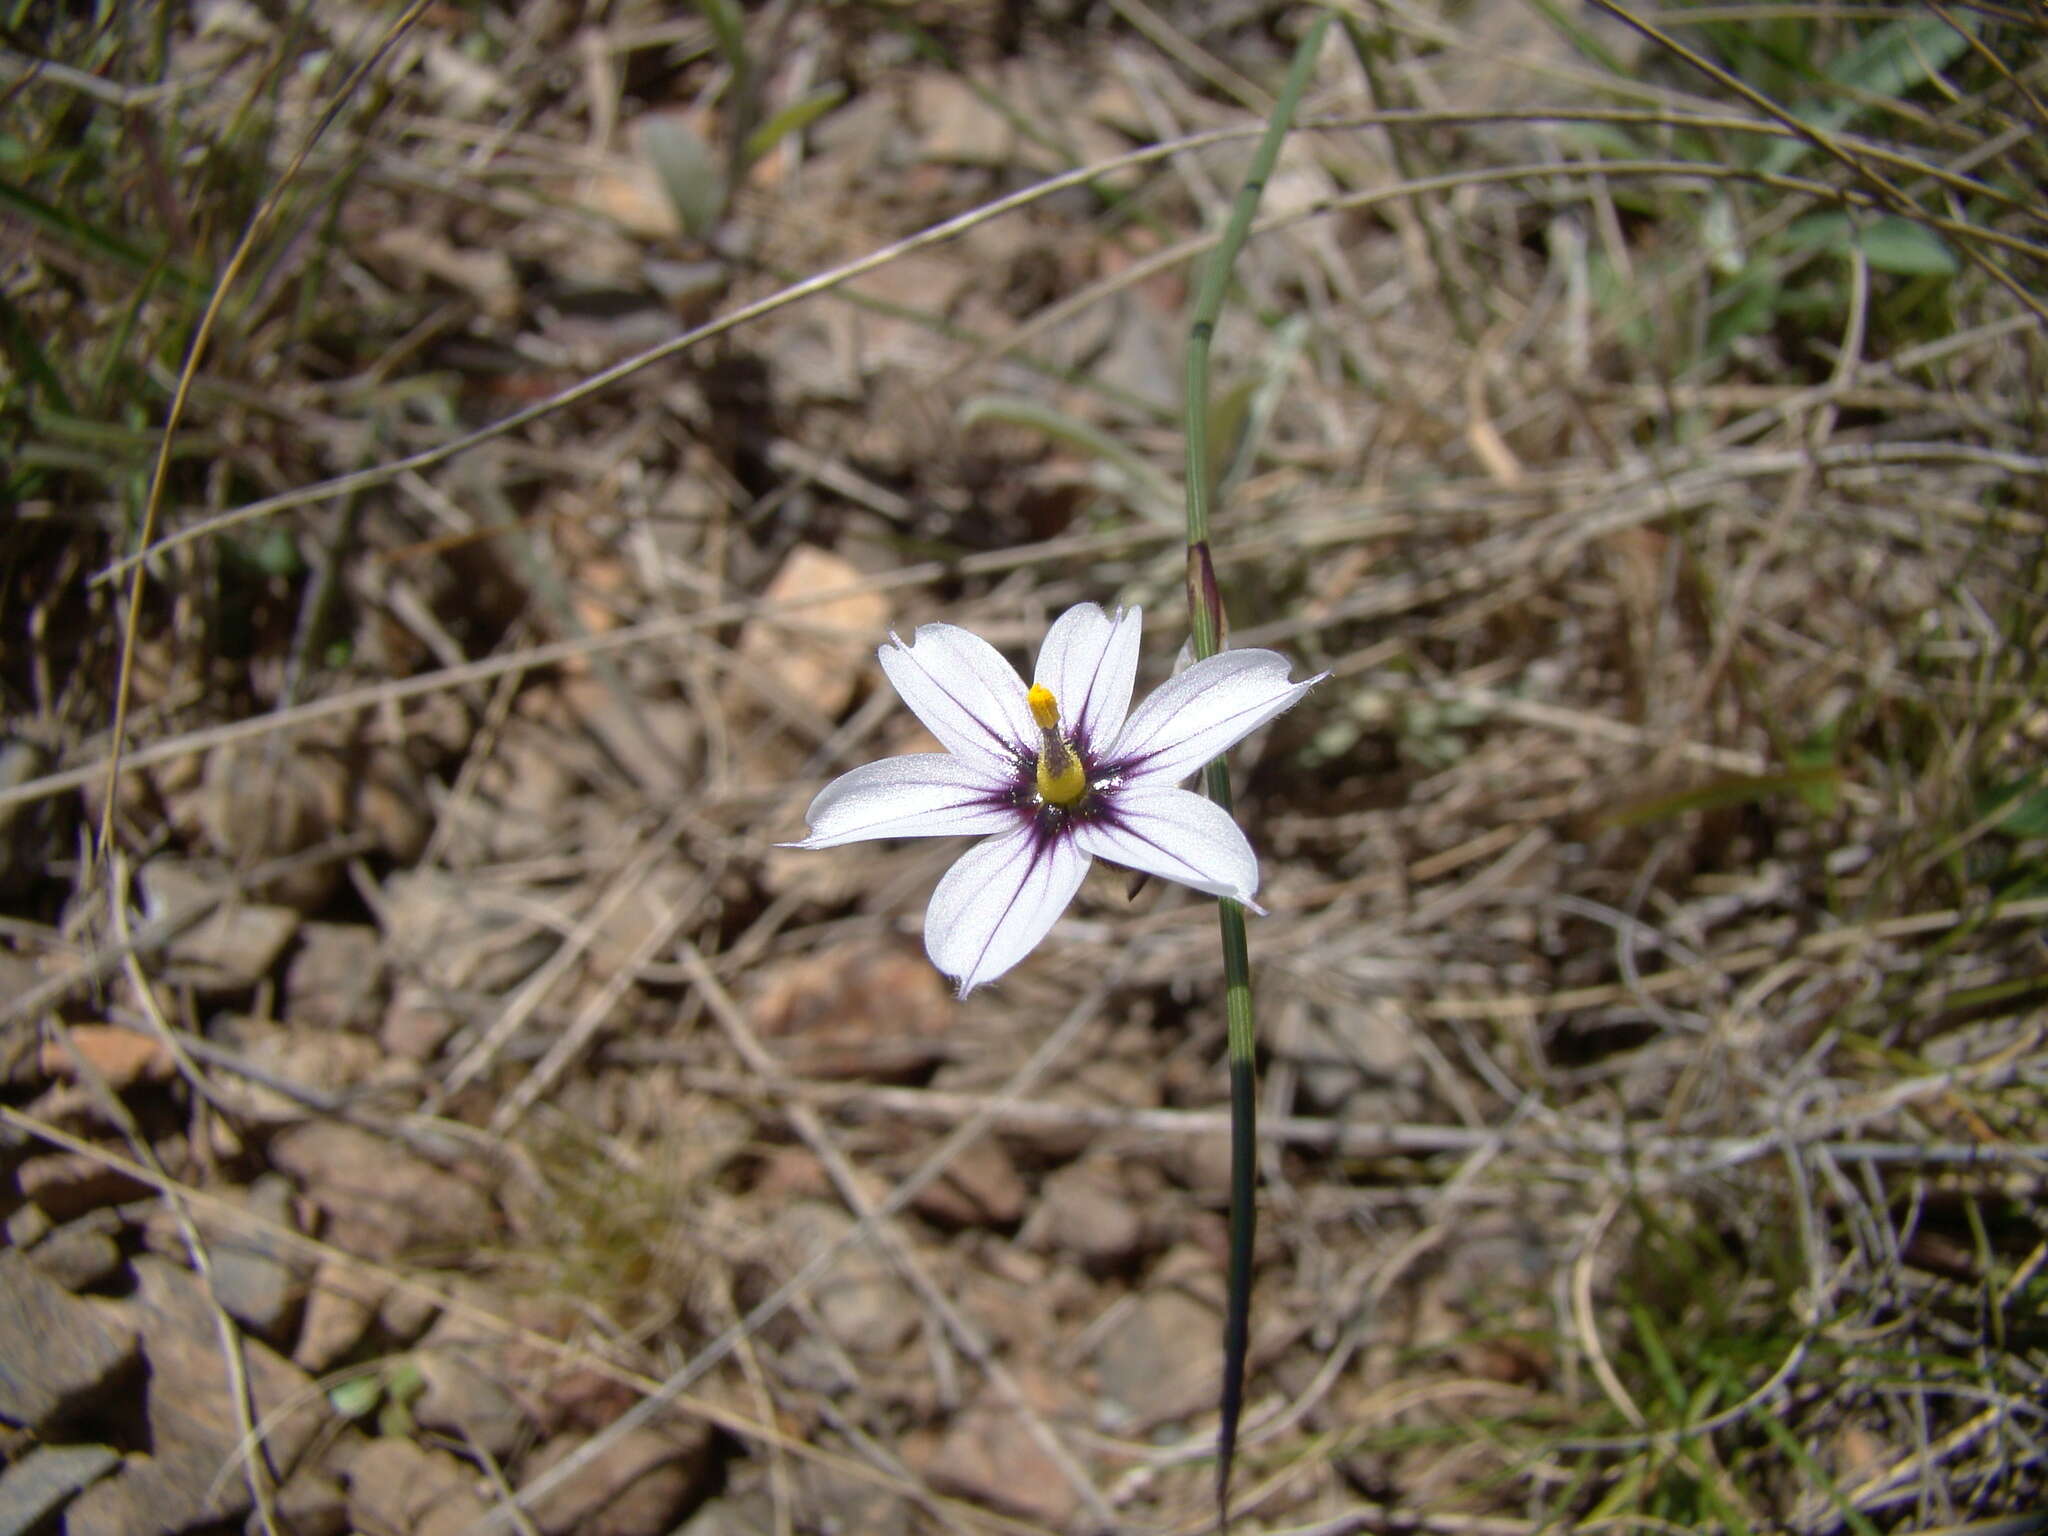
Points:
[(949, 229), (137, 566)]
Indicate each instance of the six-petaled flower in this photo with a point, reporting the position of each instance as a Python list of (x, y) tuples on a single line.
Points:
[(1053, 777)]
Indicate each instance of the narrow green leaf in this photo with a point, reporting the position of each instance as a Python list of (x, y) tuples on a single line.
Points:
[(1904, 54), (2026, 802), (18, 342), (1205, 636), (1149, 490), (1735, 789), (1582, 38), (1908, 249), (86, 238), (794, 118), (689, 172), (727, 29), (1893, 60), (1889, 244)]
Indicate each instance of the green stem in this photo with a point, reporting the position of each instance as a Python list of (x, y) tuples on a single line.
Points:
[(1206, 625)]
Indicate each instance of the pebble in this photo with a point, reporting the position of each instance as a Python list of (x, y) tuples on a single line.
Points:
[(122, 1057), (80, 1254), (58, 1353), (230, 949), (1083, 1212), (860, 1301), (463, 1367), (397, 1488), (640, 1485), (38, 1485), (980, 1188), (987, 1456), (382, 1202), (1160, 1361), (341, 1303), (68, 1184), (252, 1270), (333, 976), (189, 1414)]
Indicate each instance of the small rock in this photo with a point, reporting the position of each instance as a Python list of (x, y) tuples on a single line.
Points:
[(191, 1420), (310, 1504), (462, 1364), (650, 739), (958, 122), (385, 797), (341, 1303), (68, 1184), (58, 1353), (73, 1106), (856, 1503), (256, 803), (20, 1059), (121, 1056), (439, 928), (382, 1202), (583, 1398), (519, 802), (39, 1484), (1160, 1361), (745, 1513), (640, 1485), (325, 1061), (231, 948), (416, 1025), (405, 1313), (1083, 1211), (397, 1488), (80, 1254), (980, 1188), (863, 1305), (820, 652), (253, 1275), (988, 1457), (29, 1225), (856, 1010), (333, 977)]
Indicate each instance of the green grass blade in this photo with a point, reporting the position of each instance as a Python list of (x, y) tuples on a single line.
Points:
[(1149, 490), (84, 237), (18, 344), (1205, 623)]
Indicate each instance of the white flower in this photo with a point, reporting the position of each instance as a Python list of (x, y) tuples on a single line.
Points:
[(1054, 776)]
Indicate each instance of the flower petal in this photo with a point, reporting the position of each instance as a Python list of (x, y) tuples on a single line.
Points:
[(1198, 716), (1002, 897), (1175, 835), (1089, 661), (925, 794), (962, 689)]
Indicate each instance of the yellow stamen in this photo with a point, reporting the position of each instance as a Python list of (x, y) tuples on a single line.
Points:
[(1045, 709), (1062, 780)]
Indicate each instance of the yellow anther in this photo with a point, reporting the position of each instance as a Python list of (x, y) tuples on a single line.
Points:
[(1045, 709), (1061, 778)]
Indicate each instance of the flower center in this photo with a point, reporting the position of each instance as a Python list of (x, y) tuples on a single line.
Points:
[(1061, 779)]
